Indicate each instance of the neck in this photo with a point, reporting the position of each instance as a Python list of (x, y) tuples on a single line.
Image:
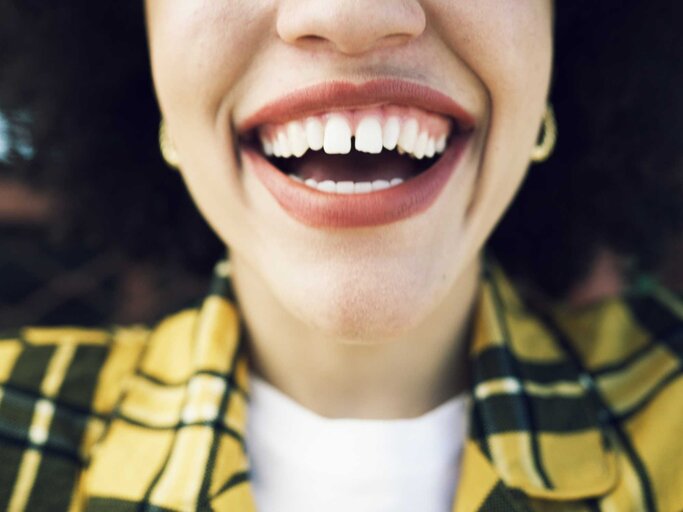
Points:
[(400, 378)]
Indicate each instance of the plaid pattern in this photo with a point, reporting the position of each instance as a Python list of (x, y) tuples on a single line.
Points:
[(572, 410)]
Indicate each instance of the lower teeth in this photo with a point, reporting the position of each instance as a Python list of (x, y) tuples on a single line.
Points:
[(347, 187)]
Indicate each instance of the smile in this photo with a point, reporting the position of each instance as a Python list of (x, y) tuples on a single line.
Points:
[(343, 155)]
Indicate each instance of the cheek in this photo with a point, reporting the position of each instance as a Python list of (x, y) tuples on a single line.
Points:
[(199, 51), (507, 46), (491, 35)]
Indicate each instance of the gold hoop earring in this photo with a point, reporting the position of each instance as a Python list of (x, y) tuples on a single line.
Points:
[(166, 146), (544, 147), (223, 268)]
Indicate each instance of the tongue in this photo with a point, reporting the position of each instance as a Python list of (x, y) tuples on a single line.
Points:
[(355, 166)]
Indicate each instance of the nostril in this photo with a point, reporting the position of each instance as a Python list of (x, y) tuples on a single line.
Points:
[(350, 27), (312, 39)]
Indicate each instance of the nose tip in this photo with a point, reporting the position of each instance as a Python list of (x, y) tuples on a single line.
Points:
[(350, 27)]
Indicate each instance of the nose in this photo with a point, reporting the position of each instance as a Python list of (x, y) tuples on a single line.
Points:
[(350, 27)]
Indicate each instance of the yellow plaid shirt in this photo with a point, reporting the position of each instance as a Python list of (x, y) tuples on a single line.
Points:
[(573, 410)]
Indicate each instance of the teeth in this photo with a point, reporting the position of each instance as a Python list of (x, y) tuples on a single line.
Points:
[(408, 137), (337, 136), (421, 146), (276, 148), (369, 136), (391, 132), (441, 144), (431, 148), (297, 139), (283, 145), (315, 133), (267, 146), (362, 188), (327, 186), (347, 187), (334, 136)]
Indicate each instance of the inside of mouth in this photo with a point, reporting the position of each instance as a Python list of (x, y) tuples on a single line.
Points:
[(355, 166)]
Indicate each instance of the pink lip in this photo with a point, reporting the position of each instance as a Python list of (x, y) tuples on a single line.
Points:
[(346, 95), (327, 210)]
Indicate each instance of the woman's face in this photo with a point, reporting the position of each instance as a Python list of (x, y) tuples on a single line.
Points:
[(236, 79)]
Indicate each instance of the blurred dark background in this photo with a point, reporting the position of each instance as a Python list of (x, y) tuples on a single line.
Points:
[(44, 282)]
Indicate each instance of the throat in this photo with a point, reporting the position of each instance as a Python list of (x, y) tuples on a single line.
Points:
[(356, 167)]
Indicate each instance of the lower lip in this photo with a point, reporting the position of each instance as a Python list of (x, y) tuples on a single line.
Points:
[(327, 210)]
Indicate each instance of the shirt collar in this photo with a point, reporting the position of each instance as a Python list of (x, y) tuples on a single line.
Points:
[(537, 418)]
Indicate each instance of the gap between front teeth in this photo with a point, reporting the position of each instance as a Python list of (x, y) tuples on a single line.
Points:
[(348, 187), (334, 136)]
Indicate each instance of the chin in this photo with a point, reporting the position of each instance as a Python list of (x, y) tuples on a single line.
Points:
[(356, 308)]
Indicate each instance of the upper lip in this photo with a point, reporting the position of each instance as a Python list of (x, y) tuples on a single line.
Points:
[(338, 95)]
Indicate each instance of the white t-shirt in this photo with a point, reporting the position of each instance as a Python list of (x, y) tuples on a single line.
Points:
[(303, 462)]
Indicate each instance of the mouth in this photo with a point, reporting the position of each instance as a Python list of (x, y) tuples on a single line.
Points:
[(345, 155)]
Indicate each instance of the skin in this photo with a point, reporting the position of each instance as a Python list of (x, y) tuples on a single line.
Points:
[(373, 322)]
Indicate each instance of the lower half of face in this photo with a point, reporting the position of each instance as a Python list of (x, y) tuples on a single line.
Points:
[(354, 156)]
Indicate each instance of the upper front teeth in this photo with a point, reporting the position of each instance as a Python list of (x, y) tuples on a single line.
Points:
[(369, 136), (373, 132), (337, 139)]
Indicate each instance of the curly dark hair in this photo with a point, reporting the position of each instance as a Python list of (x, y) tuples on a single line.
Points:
[(77, 91)]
